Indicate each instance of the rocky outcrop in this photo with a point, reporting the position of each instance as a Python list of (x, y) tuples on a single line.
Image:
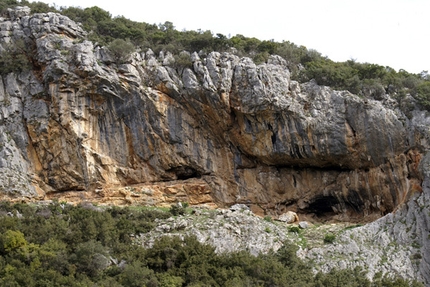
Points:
[(220, 131), (225, 230), (397, 243)]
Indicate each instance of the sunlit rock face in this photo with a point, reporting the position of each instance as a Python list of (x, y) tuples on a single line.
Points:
[(219, 131)]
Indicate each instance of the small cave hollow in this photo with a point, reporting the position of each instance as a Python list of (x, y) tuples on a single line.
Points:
[(185, 172), (322, 206)]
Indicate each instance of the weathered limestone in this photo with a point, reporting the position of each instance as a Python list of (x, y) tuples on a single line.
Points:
[(289, 217), (79, 123), (397, 243)]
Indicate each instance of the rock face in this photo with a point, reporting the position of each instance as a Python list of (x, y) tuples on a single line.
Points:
[(397, 243), (220, 131)]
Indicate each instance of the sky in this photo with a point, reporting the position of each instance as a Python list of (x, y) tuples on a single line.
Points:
[(393, 33)]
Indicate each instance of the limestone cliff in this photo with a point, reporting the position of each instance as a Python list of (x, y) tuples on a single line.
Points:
[(220, 131), (397, 243)]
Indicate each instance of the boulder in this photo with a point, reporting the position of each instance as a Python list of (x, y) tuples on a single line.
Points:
[(303, 224), (289, 217), (239, 207)]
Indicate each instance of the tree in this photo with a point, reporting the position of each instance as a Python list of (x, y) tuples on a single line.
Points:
[(15, 57), (423, 94), (121, 50), (13, 240), (135, 274)]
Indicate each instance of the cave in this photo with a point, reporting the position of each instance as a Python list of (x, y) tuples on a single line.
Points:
[(185, 172), (322, 206)]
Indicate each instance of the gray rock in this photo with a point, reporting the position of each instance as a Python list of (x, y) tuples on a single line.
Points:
[(235, 231), (288, 217), (18, 12), (168, 59), (239, 207), (303, 224)]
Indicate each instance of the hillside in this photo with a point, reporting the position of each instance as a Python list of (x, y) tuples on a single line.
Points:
[(107, 123)]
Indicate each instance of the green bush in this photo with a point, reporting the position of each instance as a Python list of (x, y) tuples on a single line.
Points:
[(121, 50), (12, 240), (268, 218), (16, 57), (423, 94), (294, 229), (329, 238), (178, 209), (183, 60)]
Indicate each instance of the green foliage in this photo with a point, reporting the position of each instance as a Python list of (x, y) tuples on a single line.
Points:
[(38, 7), (329, 238), (90, 258), (178, 209), (335, 278), (183, 60), (368, 80), (137, 275), (5, 4), (294, 229), (268, 218), (261, 58), (12, 240), (353, 226), (64, 245), (121, 50), (380, 280), (423, 93), (15, 57)]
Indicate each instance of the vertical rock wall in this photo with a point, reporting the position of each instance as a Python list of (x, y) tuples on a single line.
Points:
[(222, 130)]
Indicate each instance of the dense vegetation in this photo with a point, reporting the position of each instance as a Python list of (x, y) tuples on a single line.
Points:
[(58, 244), (369, 80)]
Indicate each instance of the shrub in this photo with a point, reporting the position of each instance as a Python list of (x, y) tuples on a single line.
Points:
[(329, 238), (268, 218), (121, 50), (12, 240), (178, 209), (183, 60), (423, 94), (135, 274), (294, 229), (15, 57)]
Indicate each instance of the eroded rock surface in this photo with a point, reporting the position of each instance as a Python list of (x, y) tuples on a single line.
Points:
[(397, 243), (225, 230), (220, 131)]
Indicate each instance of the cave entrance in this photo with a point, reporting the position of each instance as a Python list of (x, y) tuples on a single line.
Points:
[(185, 172), (322, 206)]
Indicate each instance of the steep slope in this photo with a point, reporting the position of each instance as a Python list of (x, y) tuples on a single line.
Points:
[(222, 130)]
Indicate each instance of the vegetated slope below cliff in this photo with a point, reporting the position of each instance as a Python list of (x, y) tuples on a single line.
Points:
[(219, 131)]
